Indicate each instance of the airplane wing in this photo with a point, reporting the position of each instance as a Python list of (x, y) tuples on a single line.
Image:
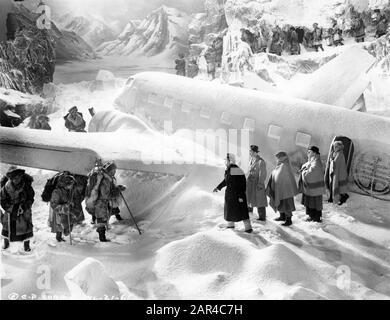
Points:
[(340, 82), (78, 152)]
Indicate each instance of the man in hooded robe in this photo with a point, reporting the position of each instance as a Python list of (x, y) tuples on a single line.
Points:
[(282, 188), (312, 185), (336, 175)]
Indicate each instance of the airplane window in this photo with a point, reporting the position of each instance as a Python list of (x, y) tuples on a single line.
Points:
[(226, 118), (186, 107), (205, 112), (249, 124), (153, 98), (168, 102), (275, 132), (129, 82), (303, 139)]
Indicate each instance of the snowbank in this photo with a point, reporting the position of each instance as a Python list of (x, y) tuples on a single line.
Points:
[(222, 263), (89, 280)]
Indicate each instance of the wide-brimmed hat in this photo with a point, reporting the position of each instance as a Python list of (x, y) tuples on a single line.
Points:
[(254, 148), (74, 108), (314, 149), (14, 171)]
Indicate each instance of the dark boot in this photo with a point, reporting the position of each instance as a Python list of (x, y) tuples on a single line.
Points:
[(317, 216), (288, 222), (118, 217), (59, 237), (310, 214), (262, 214), (6, 244), (93, 220), (282, 217), (27, 246), (102, 234), (343, 199)]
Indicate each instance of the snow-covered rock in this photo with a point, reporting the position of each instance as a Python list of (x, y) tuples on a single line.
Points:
[(164, 31), (129, 30), (244, 13), (89, 280)]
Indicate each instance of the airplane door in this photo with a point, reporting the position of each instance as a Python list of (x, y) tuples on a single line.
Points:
[(349, 150)]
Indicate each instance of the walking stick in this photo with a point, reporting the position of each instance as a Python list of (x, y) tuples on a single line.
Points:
[(70, 229), (9, 228), (124, 200)]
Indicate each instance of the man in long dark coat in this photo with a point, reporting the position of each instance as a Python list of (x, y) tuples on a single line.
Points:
[(236, 208), (17, 197)]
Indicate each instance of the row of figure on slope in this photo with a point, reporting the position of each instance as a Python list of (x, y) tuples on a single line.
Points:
[(10, 117), (290, 39), (244, 193), (206, 61), (65, 193)]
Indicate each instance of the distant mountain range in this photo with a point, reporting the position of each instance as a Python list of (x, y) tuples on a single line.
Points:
[(92, 30), (164, 31)]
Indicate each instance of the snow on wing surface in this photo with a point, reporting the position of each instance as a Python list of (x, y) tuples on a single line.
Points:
[(77, 152), (341, 81)]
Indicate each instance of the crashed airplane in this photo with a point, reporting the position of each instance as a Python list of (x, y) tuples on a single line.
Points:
[(273, 121)]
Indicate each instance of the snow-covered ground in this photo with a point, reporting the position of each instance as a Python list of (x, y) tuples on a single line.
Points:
[(184, 251)]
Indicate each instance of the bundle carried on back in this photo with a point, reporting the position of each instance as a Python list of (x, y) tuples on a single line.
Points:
[(50, 185)]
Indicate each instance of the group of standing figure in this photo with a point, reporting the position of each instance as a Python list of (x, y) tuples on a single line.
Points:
[(243, 193), (65, 193)]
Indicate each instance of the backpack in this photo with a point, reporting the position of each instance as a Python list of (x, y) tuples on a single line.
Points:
[(3, 181), (90, 196), (50, 185)]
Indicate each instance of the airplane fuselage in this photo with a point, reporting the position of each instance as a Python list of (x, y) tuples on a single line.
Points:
[(274, 122)]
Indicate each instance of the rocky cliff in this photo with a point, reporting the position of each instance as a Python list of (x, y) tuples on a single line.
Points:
[(28, 61)]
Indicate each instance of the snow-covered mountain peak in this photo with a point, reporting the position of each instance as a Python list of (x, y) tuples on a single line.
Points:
[(163, 31), (93, 30)]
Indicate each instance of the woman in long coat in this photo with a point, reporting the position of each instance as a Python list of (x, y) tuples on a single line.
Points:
[(282, 188), (255, 183), (312, 185), (236, 207), (336, 175), (17, 197)]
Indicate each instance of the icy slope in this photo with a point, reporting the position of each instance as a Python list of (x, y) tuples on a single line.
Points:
[(164, 31)]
